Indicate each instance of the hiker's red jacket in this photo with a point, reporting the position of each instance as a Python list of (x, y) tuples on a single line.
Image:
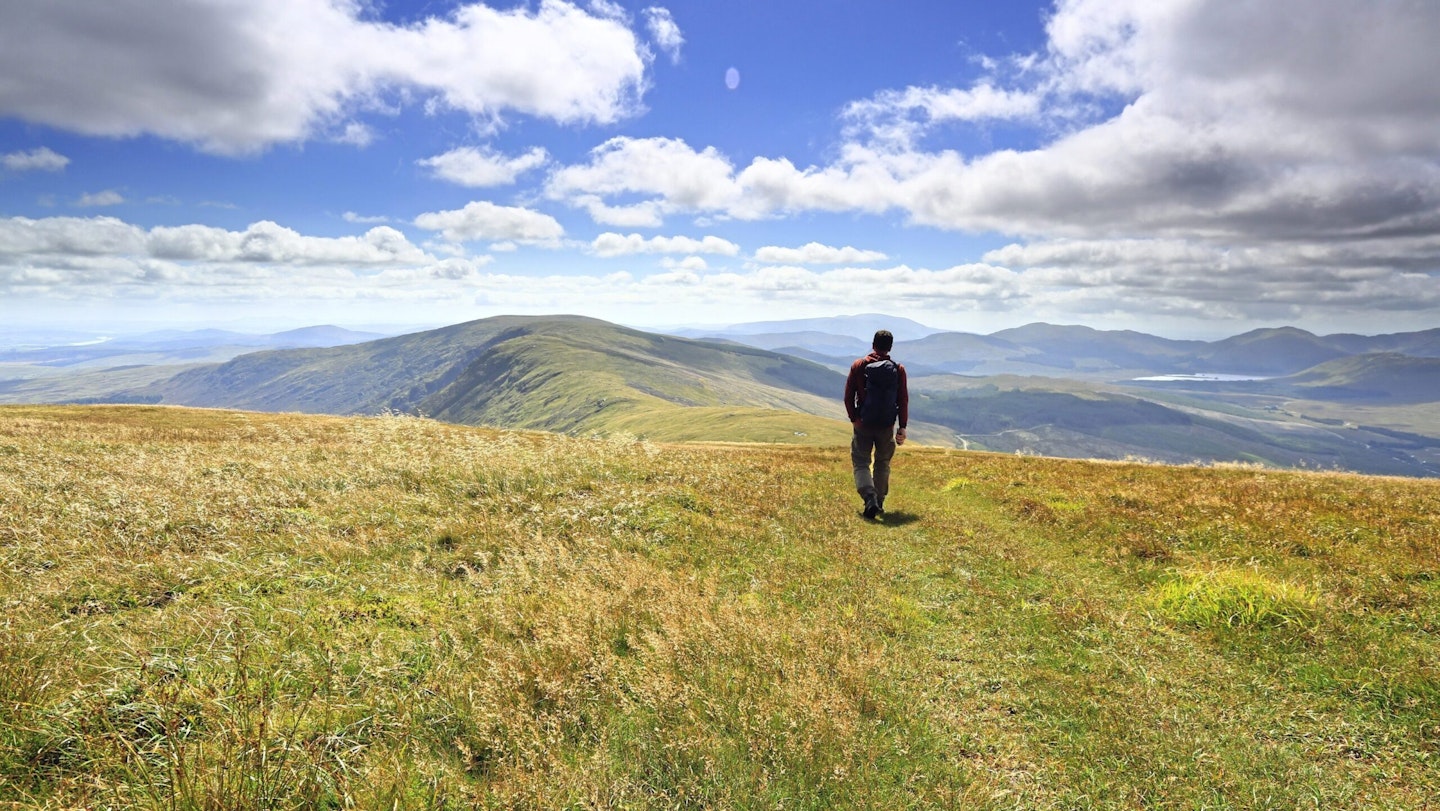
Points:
[(855, 389)]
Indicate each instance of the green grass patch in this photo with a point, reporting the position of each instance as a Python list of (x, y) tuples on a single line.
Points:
[(1233, 598)]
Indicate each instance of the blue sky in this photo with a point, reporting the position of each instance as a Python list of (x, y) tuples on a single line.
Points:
[(1192, 168)]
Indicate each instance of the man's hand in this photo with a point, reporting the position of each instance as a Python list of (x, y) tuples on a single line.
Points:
[(900, 437), (856, 423)]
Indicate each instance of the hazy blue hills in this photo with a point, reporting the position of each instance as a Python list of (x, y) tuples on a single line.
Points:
[(1024, 416), (1086, 353), (1266, 352), (1071, 346), (834, 341), (823, 344), (861, 326), (176, 346), (1377, 378), (1425, 344)]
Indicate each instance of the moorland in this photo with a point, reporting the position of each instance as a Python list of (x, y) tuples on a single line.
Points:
[(217, 609)]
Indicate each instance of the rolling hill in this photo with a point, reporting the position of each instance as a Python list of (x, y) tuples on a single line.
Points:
[(1083, 348), (1385, 377), (1266, 352), (562, 373), (1424, 344)]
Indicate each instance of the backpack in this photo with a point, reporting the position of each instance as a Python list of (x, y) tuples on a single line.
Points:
[(882, 387)]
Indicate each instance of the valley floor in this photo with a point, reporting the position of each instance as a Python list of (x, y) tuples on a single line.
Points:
[(213, 609)]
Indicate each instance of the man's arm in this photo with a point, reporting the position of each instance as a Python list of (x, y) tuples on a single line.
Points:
[(902, 401), (853, 384)]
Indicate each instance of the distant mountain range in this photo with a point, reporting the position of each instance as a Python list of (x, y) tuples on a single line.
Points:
[(1376, 378), (1075, 351), (1078, 395), (320, 336), (178, 346), (849, 326)]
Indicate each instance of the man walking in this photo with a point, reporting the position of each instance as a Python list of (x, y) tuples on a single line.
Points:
[(876, 398)]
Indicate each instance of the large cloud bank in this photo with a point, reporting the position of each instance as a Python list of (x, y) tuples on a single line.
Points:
[(1226, 159), (240, 75)]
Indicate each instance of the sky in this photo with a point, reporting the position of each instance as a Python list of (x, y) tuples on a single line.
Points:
[(1188, 168)]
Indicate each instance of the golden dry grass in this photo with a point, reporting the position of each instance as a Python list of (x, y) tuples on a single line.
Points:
[(210, 609)]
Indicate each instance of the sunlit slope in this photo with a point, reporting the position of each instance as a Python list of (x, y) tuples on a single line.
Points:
[(566, 374), (1383, 377), (209, 609)]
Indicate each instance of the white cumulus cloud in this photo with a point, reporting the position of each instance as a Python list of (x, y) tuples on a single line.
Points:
[(42, 159), (109, 197), (22, 237), (611, 244), (268, 242), (691, 265), (814, 253), (671, 177), (663, 30), (105, 261), (481, 166), (675, 176), (483, 220), (64, 239), (900, 116)]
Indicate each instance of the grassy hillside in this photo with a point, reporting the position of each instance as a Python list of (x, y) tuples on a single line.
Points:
[(1424, 344), (210, 609), (1082, 348), (1269, 352), (1380, 378), (23, 384), (565, 374)]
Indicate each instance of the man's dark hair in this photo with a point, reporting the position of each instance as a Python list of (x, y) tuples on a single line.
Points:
[(883, 340)]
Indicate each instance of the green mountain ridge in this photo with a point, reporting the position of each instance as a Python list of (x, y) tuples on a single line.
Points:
[(576, 375), (555, 373)]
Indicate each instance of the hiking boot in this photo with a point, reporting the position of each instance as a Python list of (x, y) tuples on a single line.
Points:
[(872, 508)]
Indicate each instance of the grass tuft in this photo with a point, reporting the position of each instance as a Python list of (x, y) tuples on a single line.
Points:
[(1234, 598)]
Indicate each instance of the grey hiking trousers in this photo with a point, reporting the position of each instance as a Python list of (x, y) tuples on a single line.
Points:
[(880, 442)]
